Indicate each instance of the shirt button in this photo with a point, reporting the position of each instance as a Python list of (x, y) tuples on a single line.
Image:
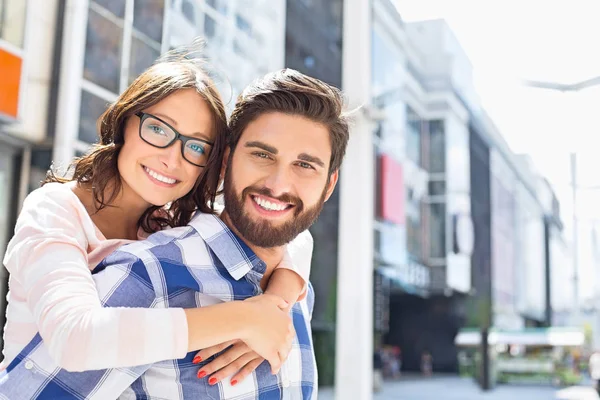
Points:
[(28, 364), (286, 383)]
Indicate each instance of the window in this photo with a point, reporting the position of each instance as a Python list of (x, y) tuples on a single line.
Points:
[(142, 56), (102, 62), (437, 147), (413, 229), (219, 5), (209, 26), (437, 188), (238, 48), (12, 21), (148, 18), (437, 230), (413, 136), (243, 24), (92, 108), (117, 7), (188, 10)]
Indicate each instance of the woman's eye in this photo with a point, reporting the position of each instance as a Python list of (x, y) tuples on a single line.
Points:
[(157, 130), (197, 148)]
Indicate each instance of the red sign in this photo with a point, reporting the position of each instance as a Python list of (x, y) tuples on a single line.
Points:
[(10, 71), (392, 195)]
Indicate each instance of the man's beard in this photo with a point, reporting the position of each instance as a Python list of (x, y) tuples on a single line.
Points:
[(264, 233)]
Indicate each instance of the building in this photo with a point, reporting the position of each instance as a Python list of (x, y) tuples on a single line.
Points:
[(423, 228), (466, 233)]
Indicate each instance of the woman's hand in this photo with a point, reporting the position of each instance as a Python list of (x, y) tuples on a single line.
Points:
[(238, 359), (270, 330)]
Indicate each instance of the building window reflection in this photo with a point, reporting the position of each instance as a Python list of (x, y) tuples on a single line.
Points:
[(103, 47), (92, 108), (219, 5), (413, 136), (148, 18), (189, 12), (437, 147), (142, 56), (117, 7), (437, 230)]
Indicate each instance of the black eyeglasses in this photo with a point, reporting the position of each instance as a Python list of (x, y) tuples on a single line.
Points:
[(158, 133)]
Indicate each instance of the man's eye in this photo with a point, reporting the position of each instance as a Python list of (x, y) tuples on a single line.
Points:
[(305, 165)]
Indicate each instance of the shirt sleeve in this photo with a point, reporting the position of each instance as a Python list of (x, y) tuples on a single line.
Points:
[(298, 257), (120, 285), (48, 258)]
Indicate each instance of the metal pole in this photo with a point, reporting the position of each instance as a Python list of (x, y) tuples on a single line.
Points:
[(575, 232)]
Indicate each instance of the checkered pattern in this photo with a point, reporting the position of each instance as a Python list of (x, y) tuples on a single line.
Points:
[(194, 266)]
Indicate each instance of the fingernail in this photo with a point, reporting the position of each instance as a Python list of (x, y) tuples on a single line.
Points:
[(197, 359), (212, 381), (233, 382), (201, 374)]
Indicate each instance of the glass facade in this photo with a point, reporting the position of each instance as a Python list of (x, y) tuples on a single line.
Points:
[(435, 163), (103, 49), (118, 47), (242, 42), (414, 127)]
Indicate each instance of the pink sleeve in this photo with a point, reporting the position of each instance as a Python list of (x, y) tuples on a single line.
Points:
[(297, 258), (48, 258)]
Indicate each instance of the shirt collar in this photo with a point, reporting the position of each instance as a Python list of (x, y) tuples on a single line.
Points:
[(234, 254)]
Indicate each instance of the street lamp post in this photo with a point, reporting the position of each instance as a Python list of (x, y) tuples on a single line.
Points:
[(570, 87)]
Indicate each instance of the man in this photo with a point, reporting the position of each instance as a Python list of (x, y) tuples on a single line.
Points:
[(288, 138)]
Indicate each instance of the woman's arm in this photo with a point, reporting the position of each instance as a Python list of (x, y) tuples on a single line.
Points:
[(289, 280), (47, 258)]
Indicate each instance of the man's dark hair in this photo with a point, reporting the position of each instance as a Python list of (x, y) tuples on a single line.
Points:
[(291, 92)]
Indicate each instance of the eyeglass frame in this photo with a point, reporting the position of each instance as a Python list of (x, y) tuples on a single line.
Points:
[(178, 136)]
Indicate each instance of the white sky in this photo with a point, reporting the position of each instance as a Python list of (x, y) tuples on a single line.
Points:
[(554, 40)]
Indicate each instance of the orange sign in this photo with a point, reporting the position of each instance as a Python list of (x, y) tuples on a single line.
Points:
[(10, 79)]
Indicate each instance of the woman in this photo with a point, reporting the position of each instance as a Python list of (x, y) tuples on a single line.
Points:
[(161, 142)]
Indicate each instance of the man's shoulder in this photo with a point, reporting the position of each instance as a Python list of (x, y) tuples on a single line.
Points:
[(165, 243)]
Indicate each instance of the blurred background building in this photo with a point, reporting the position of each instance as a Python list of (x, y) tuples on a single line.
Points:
[(459, 230)]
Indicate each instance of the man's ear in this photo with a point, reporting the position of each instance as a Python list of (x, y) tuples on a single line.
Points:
[(333, 178), (225, 161)]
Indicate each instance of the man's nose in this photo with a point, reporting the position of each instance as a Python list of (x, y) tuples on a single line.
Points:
[(279, 181)]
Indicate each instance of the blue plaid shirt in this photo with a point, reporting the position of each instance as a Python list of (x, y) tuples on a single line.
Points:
[(201, 264)]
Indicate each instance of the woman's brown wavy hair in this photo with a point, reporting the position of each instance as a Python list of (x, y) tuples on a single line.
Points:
[(176, 70)]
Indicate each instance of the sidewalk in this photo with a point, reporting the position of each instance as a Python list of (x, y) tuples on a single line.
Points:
[(455, 388)]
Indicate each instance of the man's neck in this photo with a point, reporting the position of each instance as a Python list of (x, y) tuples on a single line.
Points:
[(272, 256)]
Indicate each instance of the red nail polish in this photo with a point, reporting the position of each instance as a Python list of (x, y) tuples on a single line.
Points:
[(197, 359), (212, 381), (201, 374), (233, 382)]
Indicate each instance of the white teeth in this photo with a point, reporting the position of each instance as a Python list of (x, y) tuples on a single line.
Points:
[(267, 205), (159, 177)]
